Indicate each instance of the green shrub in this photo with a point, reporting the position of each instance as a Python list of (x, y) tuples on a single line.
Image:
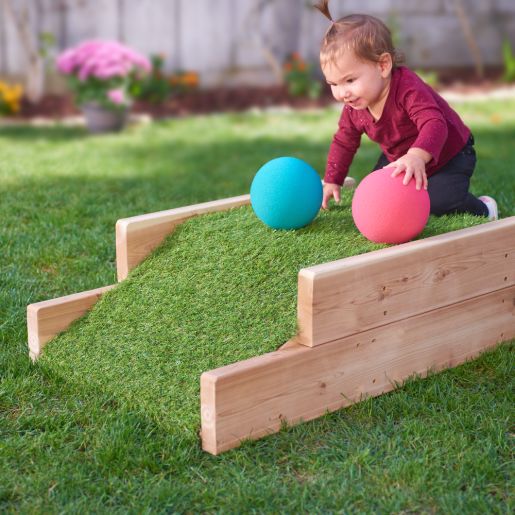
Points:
[(509, 62), (298, 78)]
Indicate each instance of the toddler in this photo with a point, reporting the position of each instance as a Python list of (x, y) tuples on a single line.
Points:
[(418, 132)]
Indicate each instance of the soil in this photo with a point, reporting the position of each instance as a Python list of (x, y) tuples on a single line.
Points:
[(244, 97), (195, 102)]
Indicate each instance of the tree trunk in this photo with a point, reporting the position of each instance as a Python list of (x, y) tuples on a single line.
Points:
[(469, 37), (35, 69)]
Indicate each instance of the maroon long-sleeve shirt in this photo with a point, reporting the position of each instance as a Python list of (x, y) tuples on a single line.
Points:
[(414, 115)]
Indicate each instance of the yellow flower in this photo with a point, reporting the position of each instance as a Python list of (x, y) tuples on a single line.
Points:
[(10, 97)]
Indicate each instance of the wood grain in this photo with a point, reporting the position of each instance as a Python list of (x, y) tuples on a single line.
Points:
[(351, 295)]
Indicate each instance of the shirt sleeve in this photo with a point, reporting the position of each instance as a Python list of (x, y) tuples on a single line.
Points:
[(345, 143), (425, 112)]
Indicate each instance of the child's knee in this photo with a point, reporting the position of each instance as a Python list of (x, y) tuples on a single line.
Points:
[(440, 206)]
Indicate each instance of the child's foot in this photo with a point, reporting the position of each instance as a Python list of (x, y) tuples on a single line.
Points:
[(491, 204)]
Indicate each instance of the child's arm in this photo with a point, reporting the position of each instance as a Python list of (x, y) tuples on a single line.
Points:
[(423, 109), (344, 146)]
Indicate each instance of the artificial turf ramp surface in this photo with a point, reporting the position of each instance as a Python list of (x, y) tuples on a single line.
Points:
[(222, 288)]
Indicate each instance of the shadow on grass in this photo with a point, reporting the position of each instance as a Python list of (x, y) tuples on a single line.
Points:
[(53, 133), (166, 174), (145, 177)]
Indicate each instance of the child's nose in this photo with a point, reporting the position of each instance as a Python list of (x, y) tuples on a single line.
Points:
[(340, 92)]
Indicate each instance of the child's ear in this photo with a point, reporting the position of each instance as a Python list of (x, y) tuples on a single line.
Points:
[(385, 64)]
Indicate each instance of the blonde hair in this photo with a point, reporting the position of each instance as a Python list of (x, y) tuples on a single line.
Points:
[(367, 36)]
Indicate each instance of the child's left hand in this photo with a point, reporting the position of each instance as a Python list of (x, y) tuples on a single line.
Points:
[(414, 165)]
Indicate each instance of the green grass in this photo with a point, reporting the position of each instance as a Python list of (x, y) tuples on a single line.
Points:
[(108, 419)]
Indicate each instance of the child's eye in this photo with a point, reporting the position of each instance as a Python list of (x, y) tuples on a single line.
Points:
[(350, 81)]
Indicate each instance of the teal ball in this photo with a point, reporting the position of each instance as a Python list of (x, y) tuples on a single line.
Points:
[(286, 193)]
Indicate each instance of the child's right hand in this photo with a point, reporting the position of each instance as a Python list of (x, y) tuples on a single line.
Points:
[(330, 190)]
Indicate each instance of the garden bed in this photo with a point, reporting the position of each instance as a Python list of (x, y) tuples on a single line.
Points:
[(194, 102)]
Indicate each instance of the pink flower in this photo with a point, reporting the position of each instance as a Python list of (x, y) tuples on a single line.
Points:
[(116, 96), (101, 59), (66, 61)]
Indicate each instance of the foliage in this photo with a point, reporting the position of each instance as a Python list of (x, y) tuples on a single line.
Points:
[(429, 77), (183, 81), (10, 97), (509, 62), (298, 77), (102, 72), (153, 87), (47, 43), (156, 87)]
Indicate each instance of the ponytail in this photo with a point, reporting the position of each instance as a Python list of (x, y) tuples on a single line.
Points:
[(323, 7)]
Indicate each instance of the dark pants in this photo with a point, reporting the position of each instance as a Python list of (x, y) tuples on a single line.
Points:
[(449, 187)]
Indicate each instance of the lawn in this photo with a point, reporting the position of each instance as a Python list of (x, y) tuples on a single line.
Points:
[(92, 428)]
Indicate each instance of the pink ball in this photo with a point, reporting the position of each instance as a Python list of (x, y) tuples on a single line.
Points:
[(386, 211)]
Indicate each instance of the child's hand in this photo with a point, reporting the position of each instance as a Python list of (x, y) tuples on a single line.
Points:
[(330, 190), (414, 165)]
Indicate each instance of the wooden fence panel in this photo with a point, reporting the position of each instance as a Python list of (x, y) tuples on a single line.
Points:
[(216, 38), (153, 27)]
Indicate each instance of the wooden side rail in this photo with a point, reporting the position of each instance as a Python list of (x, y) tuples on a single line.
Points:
[(350, 295), (48, 318), (138, 236)]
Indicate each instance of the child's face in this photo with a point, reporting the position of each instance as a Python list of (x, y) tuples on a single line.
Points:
[(360, 84)]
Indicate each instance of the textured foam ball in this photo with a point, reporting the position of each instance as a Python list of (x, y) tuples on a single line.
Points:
[(286, 193), (387, 211)]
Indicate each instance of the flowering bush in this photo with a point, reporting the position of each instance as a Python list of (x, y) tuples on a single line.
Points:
[(297, 74), (154, 87), (10, 97), (102, 72), (184, 81), (157, 87)]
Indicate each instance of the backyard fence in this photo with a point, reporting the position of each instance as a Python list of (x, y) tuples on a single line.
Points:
[(241, 41)]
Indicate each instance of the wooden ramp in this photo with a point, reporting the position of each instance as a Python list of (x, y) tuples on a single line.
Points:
[(366, 323)]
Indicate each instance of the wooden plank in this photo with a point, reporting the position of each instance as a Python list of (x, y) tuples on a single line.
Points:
[(138, 236), (84, 21), (48, 318), (350, 295), (253, 398), (148, 26)]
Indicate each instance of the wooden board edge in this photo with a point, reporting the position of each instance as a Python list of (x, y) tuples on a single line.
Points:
[(426, 244), (48, 318), (246, 382), (308, 277)]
